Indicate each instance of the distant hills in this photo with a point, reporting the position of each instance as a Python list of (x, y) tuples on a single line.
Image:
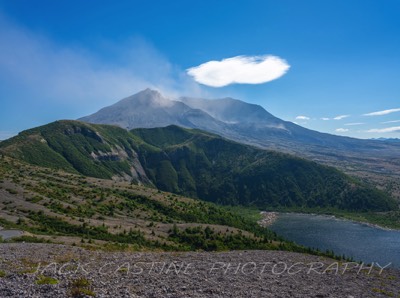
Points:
[(193, 163), (250, 124), (387, 139)]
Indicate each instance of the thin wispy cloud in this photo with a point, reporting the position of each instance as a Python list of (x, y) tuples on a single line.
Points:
[(354, 124), (341, 129), (325, 118), (381, 113), (340, 117), (33, 65), (6, 134), (239, 70), (388, 122), (302, 118), (384, 130)]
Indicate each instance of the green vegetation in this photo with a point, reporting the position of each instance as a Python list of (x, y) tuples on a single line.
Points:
[(71, 145), (195, 164), (383, 219), (48, 225), (73, 206), (250, 213), (30, 239), (81, 287), (388, 219), (101, 214), (2, 274), (110, 215), (198, 238), (46, 280), (383, 292), (12, 191), (205, 166)]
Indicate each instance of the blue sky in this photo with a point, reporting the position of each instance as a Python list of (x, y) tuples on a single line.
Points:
[(322, 59)]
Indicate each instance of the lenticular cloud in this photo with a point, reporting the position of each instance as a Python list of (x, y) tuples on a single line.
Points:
[(239, 70)]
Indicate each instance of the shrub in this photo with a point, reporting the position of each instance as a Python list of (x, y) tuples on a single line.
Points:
[(81, 287), (46, 280)]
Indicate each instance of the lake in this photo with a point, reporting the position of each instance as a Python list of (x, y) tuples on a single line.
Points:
[(360, 241)]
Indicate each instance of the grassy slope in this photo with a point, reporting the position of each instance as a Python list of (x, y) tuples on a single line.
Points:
[(58, 206)]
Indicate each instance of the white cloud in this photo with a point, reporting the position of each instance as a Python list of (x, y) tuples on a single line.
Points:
[(354, 124), (393, 121), (325, 118), (341, 130), (381, 113), (240, 70), (340, 117), (302, 118), (384, 130)]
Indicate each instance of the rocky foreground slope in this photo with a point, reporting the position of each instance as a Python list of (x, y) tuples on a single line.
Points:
[(47, 270)]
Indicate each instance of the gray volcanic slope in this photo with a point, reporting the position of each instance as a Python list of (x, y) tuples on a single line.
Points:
[(149, 109), (189, 274)]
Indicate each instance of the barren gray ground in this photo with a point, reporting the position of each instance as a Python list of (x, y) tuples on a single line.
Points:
[(193, 274)]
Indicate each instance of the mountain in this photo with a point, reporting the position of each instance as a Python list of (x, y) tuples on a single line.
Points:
[(251, 124), (193, 163), (148, 109)]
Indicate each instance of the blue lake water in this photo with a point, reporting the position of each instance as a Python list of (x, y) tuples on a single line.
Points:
[(362, 242)]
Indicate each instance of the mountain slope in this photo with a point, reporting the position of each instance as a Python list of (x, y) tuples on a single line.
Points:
[(251, 124), (250, 120), (206, 166), (149, 109), (101, 151), (57, 206), (231, 110), (194, 163)]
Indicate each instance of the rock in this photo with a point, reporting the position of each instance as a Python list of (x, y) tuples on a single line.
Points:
[(101, 275)]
